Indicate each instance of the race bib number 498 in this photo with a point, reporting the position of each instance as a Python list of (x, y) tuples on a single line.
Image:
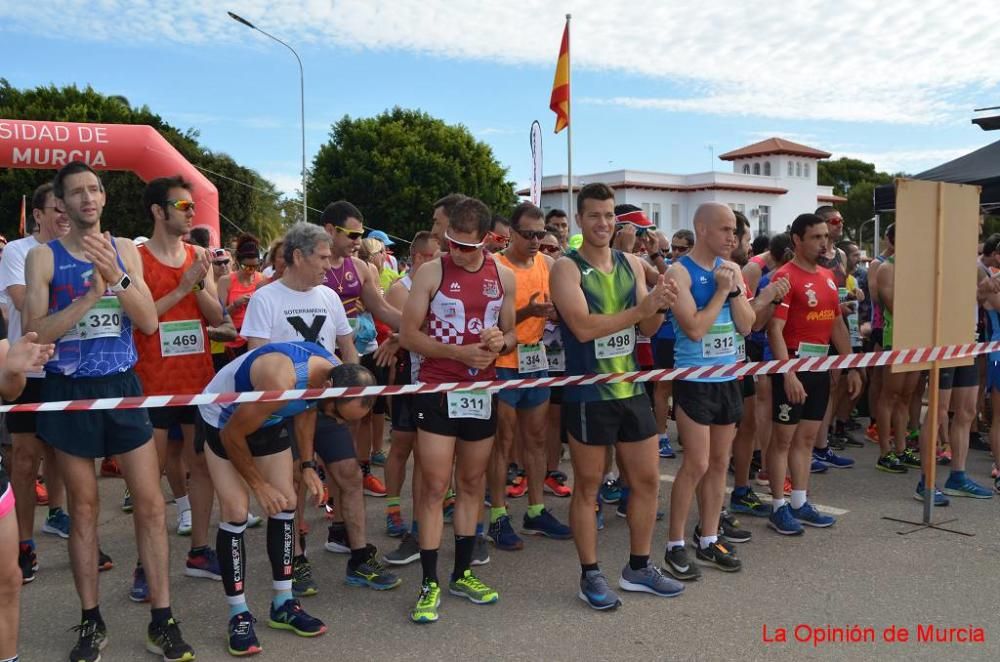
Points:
[(614, 345)]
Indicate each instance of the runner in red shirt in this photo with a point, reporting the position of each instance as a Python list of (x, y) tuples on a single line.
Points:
[(804, 324)]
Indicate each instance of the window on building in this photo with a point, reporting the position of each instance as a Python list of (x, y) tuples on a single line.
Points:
[(798, 168), (763, 219), (655, 213), (805, 169), (767, 168), (738, 206), (756, 168), (746, 168), (791, 169), (675, 217)]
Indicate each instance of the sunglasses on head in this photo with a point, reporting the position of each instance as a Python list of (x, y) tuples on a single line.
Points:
[(549, 248), (180, 205), (351, 234), (532, 234), (462, 246)]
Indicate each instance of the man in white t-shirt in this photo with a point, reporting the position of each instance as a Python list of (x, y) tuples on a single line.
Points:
[(29, 449), (299, 307)]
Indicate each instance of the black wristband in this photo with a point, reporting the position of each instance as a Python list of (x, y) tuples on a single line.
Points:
[(308, 464), (735, 293)]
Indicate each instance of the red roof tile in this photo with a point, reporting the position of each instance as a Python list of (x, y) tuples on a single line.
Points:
[(774, 146)]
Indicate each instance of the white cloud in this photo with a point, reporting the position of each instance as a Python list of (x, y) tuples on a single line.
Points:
[(494, 131), (852, 60), (289, 184), (908, 161)]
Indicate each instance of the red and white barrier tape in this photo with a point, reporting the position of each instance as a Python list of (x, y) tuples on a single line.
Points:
[(814, 364)]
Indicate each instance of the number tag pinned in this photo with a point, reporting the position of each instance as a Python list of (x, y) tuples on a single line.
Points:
[(470, 404), (556, 357), (719, 341), (614, 345), (181, 337), (104, 320), (531, 358)]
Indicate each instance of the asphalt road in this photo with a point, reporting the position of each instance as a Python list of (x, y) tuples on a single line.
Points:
[(860, 572)]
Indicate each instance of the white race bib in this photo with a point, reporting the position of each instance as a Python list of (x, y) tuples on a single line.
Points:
[(181, 337), (854, 329), (556, 357), (719, 341), (809, 350), (470, 404), (104, 320), (741, 348), (614, 345), (531, 358)]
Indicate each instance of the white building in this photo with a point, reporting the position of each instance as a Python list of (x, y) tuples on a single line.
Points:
[(772, 182)]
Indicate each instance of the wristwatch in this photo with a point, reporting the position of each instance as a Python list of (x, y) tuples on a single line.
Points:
[(735, 293), (308, 464), (121, 285)]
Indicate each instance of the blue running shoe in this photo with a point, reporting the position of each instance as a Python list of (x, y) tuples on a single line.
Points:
[(666, 450), (649, 580), (503, 535), (782, 521), (599, 514), (817, 467), (812, 517), (940, 500), (748, 504), (611, 491), (546, 524), (291, 616), (395, 527), (594, 590), (963, 486), (242, 638), (140, 589), (828, 458), (57, 523)]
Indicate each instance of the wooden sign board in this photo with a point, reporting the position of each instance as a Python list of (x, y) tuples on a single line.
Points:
[(937, 233)]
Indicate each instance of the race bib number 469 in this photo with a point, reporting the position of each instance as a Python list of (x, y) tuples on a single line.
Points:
[(181, 337), (614, 345)]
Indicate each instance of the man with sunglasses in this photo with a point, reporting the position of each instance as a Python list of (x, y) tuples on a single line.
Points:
[(85, 292), (601, 297), (524, 410), (498, 238), (466, 300)]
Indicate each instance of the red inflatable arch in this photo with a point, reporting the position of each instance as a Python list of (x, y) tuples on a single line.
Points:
[(139, 148)]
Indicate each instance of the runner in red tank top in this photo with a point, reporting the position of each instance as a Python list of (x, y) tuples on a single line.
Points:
[(459, 316)]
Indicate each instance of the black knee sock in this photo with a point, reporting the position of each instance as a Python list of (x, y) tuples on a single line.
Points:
[(229, 546), (160, 615), (429, 563), (463, 555), (92, 614), (281, 544)]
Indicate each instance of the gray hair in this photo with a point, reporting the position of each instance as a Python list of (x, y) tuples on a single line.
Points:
[(304, 237)]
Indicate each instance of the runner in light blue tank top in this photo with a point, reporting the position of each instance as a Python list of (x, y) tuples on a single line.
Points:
[(718, 346)]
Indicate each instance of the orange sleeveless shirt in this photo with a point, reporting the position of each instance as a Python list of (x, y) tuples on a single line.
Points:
[(169, 362), (530, 281)]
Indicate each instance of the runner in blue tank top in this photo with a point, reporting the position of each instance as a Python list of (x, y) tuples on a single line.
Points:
[(711, 309), (84, 292)]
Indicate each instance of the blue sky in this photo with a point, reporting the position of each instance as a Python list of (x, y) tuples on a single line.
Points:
[(654, 83)]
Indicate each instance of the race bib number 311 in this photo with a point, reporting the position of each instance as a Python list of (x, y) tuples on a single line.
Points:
[(614, 345), (470, 404)]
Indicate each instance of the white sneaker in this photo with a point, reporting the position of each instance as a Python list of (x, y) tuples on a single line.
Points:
[(184, 523), (253, 521)]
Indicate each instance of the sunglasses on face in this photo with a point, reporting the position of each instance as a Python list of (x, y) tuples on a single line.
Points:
[(498, 238), (250, 267), (180, 205), (532, 234), (353, 235), (462, 246), (549, 248)]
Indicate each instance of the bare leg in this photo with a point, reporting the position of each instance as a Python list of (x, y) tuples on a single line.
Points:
[(10, 587), (81, 488), (142, 474)]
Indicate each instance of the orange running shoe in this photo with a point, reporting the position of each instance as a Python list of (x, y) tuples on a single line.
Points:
[(373, 486), (41, 494), (109, 468), (788, 486), (518, 489)]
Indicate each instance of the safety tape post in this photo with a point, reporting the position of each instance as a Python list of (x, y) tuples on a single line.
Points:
[(813, 364)]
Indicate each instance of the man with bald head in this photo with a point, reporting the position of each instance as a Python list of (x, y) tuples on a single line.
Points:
[(711, 309)]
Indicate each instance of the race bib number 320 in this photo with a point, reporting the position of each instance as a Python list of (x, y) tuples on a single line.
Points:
[(104, 320), (181, 337), (614, 345), (470, 404)]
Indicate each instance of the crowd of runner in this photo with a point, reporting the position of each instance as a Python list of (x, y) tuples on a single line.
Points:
[(482, 297)]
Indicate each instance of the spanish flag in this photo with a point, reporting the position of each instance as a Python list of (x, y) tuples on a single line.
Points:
[(559, 102), (24, 214)]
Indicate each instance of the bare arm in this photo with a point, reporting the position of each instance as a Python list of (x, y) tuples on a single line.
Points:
[(373, 299), (564, 283), (425, 281), (648, 326), (693, 322), (840, 337), (16, 294), (776, 339), (742, 312), (873, 270), (136, 300), (508, 314), (38, 276), (751, 276), (886, 276), (345, 347)]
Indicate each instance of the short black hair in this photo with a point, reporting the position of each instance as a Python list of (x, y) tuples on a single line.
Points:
[(420, 241), (685, 235), (991, 244), (823, 211), (779, 245), (847, 243), (448, 203), (525, 209), (593, 191), (156, 192), (742, 224), (471, 215), (890, 233), (337, 213), (499, 219), (759, 244), (71, 168), (555, 212), (802, 223), (41, 196), (348, 375), (200, 236)]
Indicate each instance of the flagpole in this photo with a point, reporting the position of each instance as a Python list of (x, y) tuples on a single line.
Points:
[(571, 209)]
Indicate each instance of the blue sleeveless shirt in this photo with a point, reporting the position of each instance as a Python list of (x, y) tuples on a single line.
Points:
[(718, 346)]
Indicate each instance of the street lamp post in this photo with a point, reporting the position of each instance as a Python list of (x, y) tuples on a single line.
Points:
[(302, 100)]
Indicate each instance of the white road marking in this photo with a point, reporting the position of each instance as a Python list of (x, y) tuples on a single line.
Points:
[(766, 498)]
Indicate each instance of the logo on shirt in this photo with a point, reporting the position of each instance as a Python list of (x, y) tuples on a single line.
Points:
[(702, 280), (784, 413), (454, 287), (475, 325), (586, 271), (491, 289), (820, 316), (349, 276), (831, 284), (309, 332), (811, 296)]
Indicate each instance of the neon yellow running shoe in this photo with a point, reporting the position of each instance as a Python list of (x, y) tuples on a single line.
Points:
[(426, 609), (469, 586)]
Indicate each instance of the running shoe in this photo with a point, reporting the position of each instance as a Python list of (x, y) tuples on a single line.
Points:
[(395, 527), (555, 484), (518, 489), (41, 494), (242, 638), (817, 467), (91, 640), (407, 552), (109, 468), (890, 463), (448, 506), (611, 491), (748, 504), (503, 535), (944, 456), (978, 441), (782, 521), (184, 523), (303, 584), (378, 458), (140, 589), (679, 565), (755, 463), (253, 521), (995, 471), (291, 616), (787, 487), (127, 506), (546, 524), (28, 561), (203, 563), (621, 510), (595, 591), (940, 500), (599, 515), (996, 485), (812, 517), (666, 450), (649, 580), (718, 556), (480, 551), (872, 433), (828, 458), (336, 540), (763, 479), (910, 458), (426, 609), (836, 441), (57, 523), (965, 487), (372, 573), (165, 639), (730, 529), (104, 562), (469, 586), (373, 486)]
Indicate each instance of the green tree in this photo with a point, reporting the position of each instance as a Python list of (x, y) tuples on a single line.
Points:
[(246, 198), (395, 165), (856, 180)]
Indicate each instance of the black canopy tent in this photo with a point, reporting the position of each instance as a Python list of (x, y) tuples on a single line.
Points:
[(981, 167)]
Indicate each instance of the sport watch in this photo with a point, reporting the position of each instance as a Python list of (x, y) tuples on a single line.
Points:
[(122, 284)]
